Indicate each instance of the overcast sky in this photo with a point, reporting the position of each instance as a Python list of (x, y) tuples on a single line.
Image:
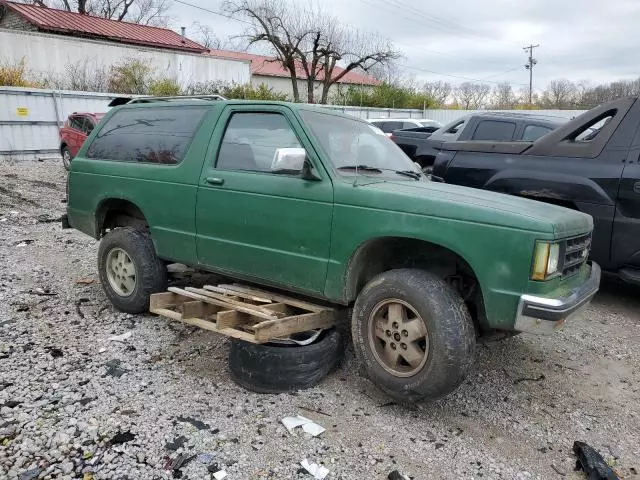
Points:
[(592, 40)]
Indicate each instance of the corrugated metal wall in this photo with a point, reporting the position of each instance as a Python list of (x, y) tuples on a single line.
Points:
[(29, 118)]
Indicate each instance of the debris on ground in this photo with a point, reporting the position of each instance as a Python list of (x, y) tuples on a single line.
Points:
[(318, 471), (30, 474), (121, 338), (176, 444), (396, 475), (220, 474), (309, 426), (122, 437), (205, 458), (46, 218), (195, 422), (179, 462), (54, 352), (592, 463), (113, 368), (85, 281)]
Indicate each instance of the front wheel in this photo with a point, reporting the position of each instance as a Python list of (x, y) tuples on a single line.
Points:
[(129, 269), (413, 334)]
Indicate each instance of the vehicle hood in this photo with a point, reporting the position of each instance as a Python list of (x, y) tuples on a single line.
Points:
[(479, 206)]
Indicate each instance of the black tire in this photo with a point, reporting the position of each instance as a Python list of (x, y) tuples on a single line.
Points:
[(273, 368), (151, 273), (66, 157), (450, 335)]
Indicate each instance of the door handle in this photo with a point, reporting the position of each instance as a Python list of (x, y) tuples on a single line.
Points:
[(215, 181)]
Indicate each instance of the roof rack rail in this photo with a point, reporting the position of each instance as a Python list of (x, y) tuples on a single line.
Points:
[(129, 100)]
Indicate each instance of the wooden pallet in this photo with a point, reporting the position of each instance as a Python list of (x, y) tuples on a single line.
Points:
[(249, 314)]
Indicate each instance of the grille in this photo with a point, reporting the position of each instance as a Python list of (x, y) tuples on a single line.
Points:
[(574, 254)]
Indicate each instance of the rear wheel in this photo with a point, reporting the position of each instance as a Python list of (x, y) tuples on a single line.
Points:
[(66, 157), (413, 334), (129, 269)]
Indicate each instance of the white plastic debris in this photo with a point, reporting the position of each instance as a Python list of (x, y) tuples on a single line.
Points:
[(309, 426), (318, 471), (3, 219), (102, 350), (220, 475), (121, 338)]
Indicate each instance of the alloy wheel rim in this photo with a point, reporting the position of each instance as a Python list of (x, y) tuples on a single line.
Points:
[(121, 272), (398, 337)]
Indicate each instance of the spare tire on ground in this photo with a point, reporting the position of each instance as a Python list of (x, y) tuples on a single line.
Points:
[(278, 368)]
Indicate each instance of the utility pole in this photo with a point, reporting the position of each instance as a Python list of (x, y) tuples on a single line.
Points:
[(529, 66)]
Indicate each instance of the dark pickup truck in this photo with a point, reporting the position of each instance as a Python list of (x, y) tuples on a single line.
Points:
[(422, 145), (590, 164)]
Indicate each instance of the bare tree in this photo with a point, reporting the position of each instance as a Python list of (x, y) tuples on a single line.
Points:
[(440, 91), (560, 94), (471, 96), (356, 50), (307, 41), (145, 12), (204, 35), (503, 96)]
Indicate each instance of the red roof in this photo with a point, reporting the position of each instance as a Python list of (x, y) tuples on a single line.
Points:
[(271, 67), (53, 20)]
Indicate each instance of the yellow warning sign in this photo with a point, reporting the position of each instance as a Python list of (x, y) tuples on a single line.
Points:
[(22, 111)]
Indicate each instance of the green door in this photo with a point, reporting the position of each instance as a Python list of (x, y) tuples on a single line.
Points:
[(273, 227)]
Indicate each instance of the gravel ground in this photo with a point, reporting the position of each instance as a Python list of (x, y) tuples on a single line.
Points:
[(75, 405)]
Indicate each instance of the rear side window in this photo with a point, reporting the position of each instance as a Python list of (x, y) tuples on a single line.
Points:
[(77, 123), (534, 132), (456, 128), (494, 130), (147, 135)]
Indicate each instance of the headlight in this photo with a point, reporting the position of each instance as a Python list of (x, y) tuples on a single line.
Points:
[(546, 258)]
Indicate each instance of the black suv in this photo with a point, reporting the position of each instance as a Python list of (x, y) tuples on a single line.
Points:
[(423, 147)]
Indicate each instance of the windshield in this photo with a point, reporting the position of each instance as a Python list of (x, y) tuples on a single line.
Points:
[(349, 143)]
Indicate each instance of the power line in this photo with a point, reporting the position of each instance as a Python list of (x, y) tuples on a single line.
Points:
[(213, 12), (462, 77)]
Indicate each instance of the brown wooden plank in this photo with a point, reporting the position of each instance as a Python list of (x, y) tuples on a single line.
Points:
[(204, 324), (163, 300), (236, 294), (223, 303), (299, 323), (232, 318), (240, 335), (255, 310), (280, 307), (276, 297), (173, 315), (198, 309)]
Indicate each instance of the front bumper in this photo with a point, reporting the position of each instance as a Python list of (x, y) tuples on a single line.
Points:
[(544, 315)]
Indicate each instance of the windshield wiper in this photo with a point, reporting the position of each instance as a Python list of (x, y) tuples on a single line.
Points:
[(409, 173), (368, 168)]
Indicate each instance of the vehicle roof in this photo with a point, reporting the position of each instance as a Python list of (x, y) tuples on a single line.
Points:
[(91, 114), (400, 120), (216, 103), (518, 115)]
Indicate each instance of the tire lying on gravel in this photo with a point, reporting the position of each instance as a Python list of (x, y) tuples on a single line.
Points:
[(413, 334), (276, 368), (129, 269)]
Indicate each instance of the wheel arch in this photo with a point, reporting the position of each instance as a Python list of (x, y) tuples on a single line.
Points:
[(386, 253), (118, 212)]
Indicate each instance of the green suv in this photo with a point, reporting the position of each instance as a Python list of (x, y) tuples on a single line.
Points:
[(325, 205)]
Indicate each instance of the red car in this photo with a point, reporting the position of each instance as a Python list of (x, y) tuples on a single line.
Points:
[(74, 132)]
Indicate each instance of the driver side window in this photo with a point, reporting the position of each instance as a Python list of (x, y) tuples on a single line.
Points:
[(251, 139)]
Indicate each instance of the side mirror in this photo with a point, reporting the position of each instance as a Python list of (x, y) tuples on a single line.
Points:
[(288, 160)]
